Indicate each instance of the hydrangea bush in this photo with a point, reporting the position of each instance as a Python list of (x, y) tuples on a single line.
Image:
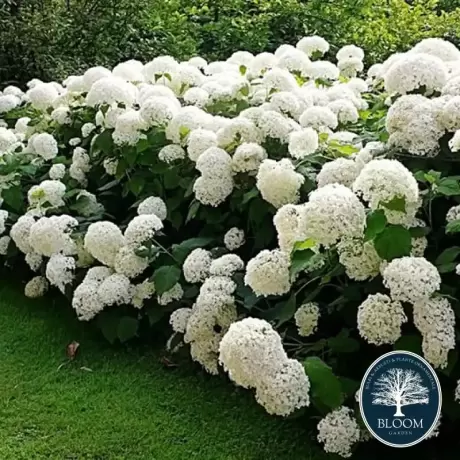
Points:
[(291, 218)]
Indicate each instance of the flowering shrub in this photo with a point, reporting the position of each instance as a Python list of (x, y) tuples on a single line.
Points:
[(292, 220)]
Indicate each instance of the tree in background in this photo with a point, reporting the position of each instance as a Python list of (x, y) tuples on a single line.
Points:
[(50, 39)]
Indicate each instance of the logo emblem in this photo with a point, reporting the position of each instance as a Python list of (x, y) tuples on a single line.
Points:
[(400, 399)]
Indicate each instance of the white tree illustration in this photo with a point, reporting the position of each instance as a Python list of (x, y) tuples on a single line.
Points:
[(400, 387)]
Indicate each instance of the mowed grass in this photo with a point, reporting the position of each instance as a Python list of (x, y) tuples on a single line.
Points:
[(118, 403)]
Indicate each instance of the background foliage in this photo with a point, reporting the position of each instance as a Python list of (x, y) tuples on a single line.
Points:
[(50, 39)]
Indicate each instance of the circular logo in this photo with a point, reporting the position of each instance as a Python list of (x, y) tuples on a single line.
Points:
[(400, 399)]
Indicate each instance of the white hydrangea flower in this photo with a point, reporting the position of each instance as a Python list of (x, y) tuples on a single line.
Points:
[(319, 118), (359, 258), (240, 130), (74, 141), (86, 301), (437, 47), (172, 152), (435, 319), (339, 431), (268, 273), (286, 221), (20, 232), (457, 391), (303, 143), (179, 318), (339, 171), (142, 292), (306, 318), (50, 192), (159, 66), (213, 191), (274, 125), (323, 70), (57, 171), (103, 240), (278, 182), (196, 266), (226, 265), (248, 157), (4, 244), (61, 115), (333, 212), (60, 271), (345, 110), (198, 97), (130, 70), (111, 90), (8, 102), (3, 218), (52, 235), (380, 319), (285, 391), (42, 95), (350, 67), (453, 213), (200, 140), (128, 263), (380, 181), (36, 287), (172, 295), (153, 205), (110, 166), (45, 145), (234, 238), (7, 140), (116, 289), (158, 110), (413, 71), (249, 350), (87, 129), (187, 118), (141, 229), (411, 279)]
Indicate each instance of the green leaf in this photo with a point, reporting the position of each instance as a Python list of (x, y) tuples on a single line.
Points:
[(194, 206), (395, 241), (409, 343), (242, 69), (13, 197), (398, 203), (349, 386), (453, 227), (165, 278), (250, 195), (104, 142), (130, 155), (300, 261), (108, 323), (446, 268), (375, 224), (142, 145), (448, 187), (448, 255), (127, 328), (306, 244), (342, 343), (325, 386), (282, 311), (182, 250), (154, 314), (417, 232), (183, 132), (136, 185)]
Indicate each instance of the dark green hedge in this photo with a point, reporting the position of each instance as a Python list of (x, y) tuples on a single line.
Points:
[(50, 39)]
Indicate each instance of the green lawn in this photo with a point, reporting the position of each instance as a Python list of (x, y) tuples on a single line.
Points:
[(129, 407)]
